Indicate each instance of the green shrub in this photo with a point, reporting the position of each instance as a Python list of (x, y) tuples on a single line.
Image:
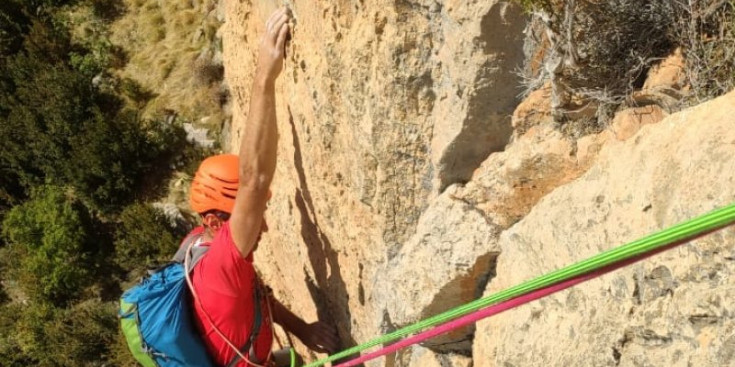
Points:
[(11, 347), (107, 10), (75, 154), (144, 238), (136, 94), (60, 128), (4, 298), (84, 334), (52, 250), (86, 331)]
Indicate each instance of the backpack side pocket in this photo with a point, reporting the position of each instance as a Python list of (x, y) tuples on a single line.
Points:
[(130, 325)]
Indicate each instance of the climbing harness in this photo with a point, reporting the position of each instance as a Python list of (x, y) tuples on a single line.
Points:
[(542, 286)]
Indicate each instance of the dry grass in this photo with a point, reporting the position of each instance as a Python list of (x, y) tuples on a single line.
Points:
[(597, 53), (164, 41), (707, 32)]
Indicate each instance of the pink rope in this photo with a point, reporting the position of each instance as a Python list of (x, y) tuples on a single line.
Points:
[(498, 308)]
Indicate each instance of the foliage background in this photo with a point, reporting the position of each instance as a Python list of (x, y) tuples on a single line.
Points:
[(85, 157)]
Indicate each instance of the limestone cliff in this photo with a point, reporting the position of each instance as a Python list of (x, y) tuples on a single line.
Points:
[(672, 310), (400, 192)]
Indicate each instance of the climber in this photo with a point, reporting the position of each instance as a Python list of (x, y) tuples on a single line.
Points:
[(230, 194)]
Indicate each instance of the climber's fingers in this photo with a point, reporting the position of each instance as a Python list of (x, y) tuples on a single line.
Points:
[(269, 24), (322, 337), (282, 35), (272, 49)]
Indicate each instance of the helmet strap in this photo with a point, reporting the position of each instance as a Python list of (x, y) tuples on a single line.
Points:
[(212, 222)]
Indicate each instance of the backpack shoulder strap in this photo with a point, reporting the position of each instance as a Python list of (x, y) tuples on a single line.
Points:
[(197, 252), (190, 238)]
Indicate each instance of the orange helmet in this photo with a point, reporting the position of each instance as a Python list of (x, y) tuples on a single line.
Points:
[(215, 184)]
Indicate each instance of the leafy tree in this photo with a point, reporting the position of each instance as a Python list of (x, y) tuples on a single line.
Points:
[(59, 127), (144, 238), (84, 334), (11, 349), (14, 23), (52, 248)]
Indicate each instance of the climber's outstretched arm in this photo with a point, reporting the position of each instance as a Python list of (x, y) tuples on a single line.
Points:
[(317, 336), (259, 143)]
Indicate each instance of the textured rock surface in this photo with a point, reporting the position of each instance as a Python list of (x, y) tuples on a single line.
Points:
[(400, 192), (534, 109), (669, 74), (381, 105), (674, 309), (426, 358), (446, 264), (627, 122)]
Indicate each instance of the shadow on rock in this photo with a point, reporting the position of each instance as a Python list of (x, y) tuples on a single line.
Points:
[(328, 290)]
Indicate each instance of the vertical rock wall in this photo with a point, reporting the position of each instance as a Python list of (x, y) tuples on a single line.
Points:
[(382, 105)]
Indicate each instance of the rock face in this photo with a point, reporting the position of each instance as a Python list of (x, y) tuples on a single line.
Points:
[(674, 309), (402, 189), (381, 107)]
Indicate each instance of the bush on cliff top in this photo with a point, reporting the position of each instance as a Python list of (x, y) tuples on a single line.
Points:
[(600, 52)]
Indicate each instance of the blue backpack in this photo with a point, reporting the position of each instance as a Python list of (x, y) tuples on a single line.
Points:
[(156, 319)]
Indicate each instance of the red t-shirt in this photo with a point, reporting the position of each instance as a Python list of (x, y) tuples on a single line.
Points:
[(224, 282)]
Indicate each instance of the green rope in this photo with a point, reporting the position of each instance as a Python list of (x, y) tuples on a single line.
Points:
[(686, 230)]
